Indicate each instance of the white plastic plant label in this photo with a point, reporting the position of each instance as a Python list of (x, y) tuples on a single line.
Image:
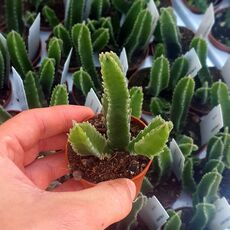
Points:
[(18, 99), (226, 72), (194, 62), (34, 37), (178, 159), (221, 220), (67, 2), (153, 214), (87, 8), (211, 124), (147, 63), (124, 61), (93, 102), (206, 23), (154, 12), (66, 68)]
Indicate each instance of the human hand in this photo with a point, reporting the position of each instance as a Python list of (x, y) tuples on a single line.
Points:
[(24, 202)]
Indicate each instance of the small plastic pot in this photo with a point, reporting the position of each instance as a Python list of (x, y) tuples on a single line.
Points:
[(215, 41), (138, 179)]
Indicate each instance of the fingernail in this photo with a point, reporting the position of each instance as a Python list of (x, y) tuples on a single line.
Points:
[(132, 188)]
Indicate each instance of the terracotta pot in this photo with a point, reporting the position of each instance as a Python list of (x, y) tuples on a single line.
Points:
[(216, 42), (195, 9), (138, 179)]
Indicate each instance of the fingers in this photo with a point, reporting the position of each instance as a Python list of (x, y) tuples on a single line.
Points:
[(26, 129), (100, 206), (57, 142), (43, 171), (69, 186)]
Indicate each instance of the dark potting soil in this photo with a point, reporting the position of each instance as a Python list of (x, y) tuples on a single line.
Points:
[(4, 95), (121, 164), (186, 37), (220, 29), (165, 3)]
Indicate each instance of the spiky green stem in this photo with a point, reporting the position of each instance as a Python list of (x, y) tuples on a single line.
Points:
[(59, 96)]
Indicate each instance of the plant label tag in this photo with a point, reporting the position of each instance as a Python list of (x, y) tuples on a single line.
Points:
[(124, 62), (147, 63), (67, 2), (4, 43), (93, 102), (34, 38), (66, 68), (18, 99), (87, 8), (154, 214), (194, 62), (178, 159), (221, 219), (154, 12), (211, 124), (206, 23), (226, 72)]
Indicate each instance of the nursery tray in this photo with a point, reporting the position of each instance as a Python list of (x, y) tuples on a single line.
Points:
[(192, 21)]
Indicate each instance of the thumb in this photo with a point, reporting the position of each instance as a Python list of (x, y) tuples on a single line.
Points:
[(98, 207)]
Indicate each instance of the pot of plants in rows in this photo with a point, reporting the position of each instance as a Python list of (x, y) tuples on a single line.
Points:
[(219, 35), (88, 148), (200, 6), (49, 9)]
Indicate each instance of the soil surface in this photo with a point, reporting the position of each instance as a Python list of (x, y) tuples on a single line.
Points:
[(220, 29), (186, 37), (119, 165), (4, 96)]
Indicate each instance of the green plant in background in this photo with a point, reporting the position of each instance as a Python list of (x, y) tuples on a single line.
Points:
[(202, 5), (181, 100), (32, 90), (98, 8), (202, 94), (4, 115), (207, 189), (203, 214), (83, 46), (220, 95), (188, 182), (122, 5), (136, 100), (159, 50), (170, 33), (163, 165), (83, 81), (14, 15), (18, 53), (74, 13), (179, 69), (100, 39), (62, 33), (186, 145), (201, 48), (160, 106), (50, 16), (86, 140), (55, 47), (140, 34), (130, 221), (59, 95), (159, 76), (214, 164), (174, 221), (4, 65), (29, 18), (46, 75)]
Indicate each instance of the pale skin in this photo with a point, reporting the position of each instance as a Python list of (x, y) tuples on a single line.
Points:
[(24, 201)]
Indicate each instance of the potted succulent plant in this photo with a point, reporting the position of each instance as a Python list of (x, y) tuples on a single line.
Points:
[(200, 6), (93, 151), (219, 35)]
